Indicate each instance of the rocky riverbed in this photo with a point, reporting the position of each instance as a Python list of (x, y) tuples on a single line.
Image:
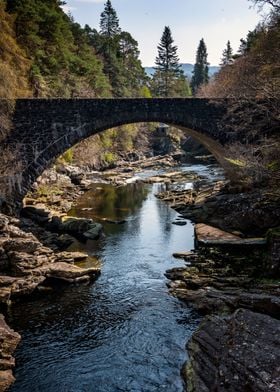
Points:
[(219, 279), (235, 278), (28, 267), (32, 248)]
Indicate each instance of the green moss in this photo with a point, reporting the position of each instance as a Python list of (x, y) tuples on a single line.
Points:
[(272, 233), (236, 162), (109, 157), (48, 190), (67, 157), (189, 376), (274, 165), (271, 281)]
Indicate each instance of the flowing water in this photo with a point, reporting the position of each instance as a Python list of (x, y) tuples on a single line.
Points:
[(123, 332)]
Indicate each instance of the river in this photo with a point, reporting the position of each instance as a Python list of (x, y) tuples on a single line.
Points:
[(123, 332)]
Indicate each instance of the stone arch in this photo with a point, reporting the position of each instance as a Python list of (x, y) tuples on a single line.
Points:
[(44, 129)]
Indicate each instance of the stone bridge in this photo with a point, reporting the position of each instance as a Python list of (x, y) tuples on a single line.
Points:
[(43, 129)]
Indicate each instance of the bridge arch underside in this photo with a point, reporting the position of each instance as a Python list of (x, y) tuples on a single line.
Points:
[(43, 129), (59, 142)]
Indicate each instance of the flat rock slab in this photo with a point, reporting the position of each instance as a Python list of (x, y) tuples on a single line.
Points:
[(71, 256), (71, 273), (209, 235)]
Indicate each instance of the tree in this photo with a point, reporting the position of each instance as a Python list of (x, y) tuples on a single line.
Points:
[(109, 22), (227, 57), (63, 63), (200, 72), (133, 72), (247, 44), (275, 4), (167, 64)]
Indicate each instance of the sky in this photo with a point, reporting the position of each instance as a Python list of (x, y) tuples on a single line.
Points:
[(217, 21)]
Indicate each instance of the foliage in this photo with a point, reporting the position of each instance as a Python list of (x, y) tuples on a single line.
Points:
[(14, 65), (200, 72), (108, 158), (67, 60), (253, 81), (227, 56), (67, 157), (63, 64), (255, 73), (95, 151), (109, 22), (168, 80), (275, 4), (120, 55), (256, 163)]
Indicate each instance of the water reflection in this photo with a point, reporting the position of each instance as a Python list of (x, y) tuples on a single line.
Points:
[(124, 332)]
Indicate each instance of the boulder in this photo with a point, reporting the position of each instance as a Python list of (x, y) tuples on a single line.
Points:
[(94, 232), (234, 353), (212, 236), (9, 340), (71, 273), (6, 379), (179, 223), (81, 227), (24, 263), (27, 245)]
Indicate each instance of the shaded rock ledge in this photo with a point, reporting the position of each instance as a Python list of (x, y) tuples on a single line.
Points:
[(26, 266), (228, 208), (9, 340), (237, 348), (235, 353)]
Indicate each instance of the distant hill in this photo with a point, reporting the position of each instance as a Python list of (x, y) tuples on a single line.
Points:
[(187, 68)]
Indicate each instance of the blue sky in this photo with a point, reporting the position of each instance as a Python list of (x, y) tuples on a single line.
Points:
[(215, 20)]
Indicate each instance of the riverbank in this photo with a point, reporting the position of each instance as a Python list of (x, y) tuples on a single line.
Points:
[(210, 283), (234, 279)]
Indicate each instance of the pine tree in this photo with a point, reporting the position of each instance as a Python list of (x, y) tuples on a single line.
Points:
[(200, 72), (167, 64), (227, 56), (109, 22)]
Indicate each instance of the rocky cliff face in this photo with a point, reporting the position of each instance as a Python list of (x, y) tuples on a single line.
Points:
[(236, 353), (8, 343)]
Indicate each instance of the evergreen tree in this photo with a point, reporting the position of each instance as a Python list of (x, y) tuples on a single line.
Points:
[(133, 72), (109, 22), (167, 65), (247, 44), (200, 72), (227, 56)]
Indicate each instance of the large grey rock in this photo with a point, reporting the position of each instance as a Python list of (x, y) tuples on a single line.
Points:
[(81, 227), (236, 353)]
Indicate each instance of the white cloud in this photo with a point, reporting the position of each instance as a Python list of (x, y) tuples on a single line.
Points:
[(67, 8)]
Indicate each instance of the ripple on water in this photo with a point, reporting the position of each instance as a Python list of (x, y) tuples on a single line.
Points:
[(123, 332)]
